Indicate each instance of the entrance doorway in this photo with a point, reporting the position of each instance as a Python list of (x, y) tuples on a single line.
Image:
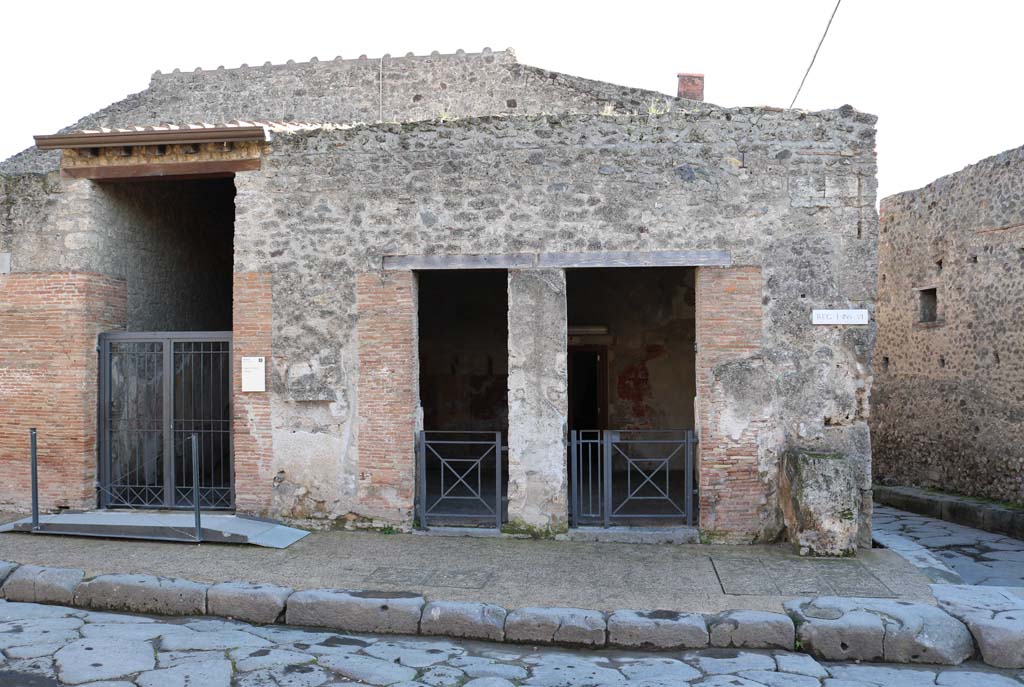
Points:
[(157, 391), (632, 385), (462, 473)]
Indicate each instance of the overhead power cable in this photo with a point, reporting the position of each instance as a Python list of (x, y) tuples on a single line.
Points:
[(827, 26)]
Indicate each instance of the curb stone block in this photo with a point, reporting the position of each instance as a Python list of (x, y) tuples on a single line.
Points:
[(464, 619), (142, 594), (657, 630), (39, 584), (994, 616), (843, 629), (5, 570), (355, 611), (556, 626), (752, 630), (254, 603)]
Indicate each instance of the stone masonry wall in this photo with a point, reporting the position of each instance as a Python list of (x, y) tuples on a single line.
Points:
[(793, 196), (344, 91), (949, 394), (48, 328)]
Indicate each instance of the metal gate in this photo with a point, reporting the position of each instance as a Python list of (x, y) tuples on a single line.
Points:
[(460, 478), (626, 476), (156, 390)]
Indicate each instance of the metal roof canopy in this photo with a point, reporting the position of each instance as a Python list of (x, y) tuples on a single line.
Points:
[(151, 137)]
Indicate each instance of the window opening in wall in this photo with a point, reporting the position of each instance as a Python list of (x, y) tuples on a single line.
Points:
[(938, 265), (929, 304)]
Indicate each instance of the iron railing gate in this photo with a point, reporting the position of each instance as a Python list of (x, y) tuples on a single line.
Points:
[(626, 476), (460, 478), (157, 389)]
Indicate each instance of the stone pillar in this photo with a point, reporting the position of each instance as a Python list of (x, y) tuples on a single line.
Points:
[(538, 405)]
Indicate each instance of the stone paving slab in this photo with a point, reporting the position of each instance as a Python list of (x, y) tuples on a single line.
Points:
[(510, 573), (948, 552)]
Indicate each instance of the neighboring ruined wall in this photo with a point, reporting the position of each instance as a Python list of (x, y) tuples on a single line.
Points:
[(650, 317), (949, 395), (793, 196)]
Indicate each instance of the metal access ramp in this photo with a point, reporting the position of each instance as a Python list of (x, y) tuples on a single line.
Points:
[(215, 528)]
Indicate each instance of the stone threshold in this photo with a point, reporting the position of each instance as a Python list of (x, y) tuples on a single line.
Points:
[(623, 535), (828, 628), (961, 510)]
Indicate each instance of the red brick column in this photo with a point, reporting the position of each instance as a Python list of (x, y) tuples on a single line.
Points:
[(388, 394), (49, 323), (729, 327), (252, 313)]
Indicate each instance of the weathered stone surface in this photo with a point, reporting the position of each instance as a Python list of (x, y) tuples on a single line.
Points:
[(657, 629), (538, 406), (728, 661), (994, 616), (38, 584), (556, 626), (463, 619), (821, 493), (801, 664), (247, 660), (838, 628), (5, 570), (210, 641), (88, 660), (215, 673), (257, 603), (366, 669), (665, 669), (391, 612), (752, 630), (142, 594)]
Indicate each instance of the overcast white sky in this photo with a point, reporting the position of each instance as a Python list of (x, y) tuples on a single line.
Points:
[(944, 76)]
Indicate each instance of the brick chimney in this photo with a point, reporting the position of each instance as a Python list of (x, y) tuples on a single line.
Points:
[(691, 86)]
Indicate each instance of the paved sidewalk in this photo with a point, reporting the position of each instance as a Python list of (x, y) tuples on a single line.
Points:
[(45, 646), (970, 556), (507, 572)]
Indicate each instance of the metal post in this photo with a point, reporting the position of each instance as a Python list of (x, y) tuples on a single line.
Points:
[(574, 486), (35, 479), (688, 481), (422, 455), (606, 459), (497, 480), (195, 486)]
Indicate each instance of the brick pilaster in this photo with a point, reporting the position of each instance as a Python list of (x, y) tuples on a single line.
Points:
[(252, 315), (49, 323), (729, 327), (388, 394)]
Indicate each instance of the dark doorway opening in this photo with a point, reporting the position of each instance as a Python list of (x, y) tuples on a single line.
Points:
[(588, 387), (632, 385), (167, 378), (463, 352)]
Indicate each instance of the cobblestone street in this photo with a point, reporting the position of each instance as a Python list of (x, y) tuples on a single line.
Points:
[(52, 645), (970, 556)]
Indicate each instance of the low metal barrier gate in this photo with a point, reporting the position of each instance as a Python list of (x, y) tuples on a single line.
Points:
[(622, 476), (460, 478)]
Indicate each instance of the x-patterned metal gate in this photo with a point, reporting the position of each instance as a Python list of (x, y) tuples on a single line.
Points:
[(460, 478), (624, 476), (157, 390)]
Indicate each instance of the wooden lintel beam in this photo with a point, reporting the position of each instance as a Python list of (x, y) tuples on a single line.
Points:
[(682, 258), (161, 170)]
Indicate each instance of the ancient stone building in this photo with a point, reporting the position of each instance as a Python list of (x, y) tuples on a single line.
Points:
[(949, 385), (445, 289)]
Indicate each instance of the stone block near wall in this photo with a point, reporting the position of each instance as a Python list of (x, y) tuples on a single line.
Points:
[(538, 406), (821, 497)]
